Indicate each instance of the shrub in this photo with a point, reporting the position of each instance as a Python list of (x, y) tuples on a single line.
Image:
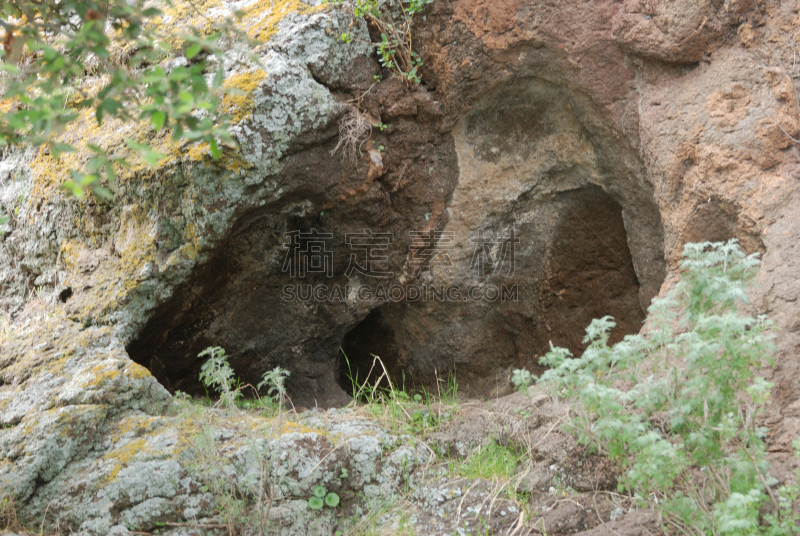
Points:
[(678, 408)]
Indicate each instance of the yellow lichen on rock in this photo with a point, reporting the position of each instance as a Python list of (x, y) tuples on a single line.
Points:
[(8, 105), (107, 279), (50, 173), (261, 18), (136, 371), (180, 15), (123, 455), (135, 242), (101, 376), (238, 99), (288, 427), (137, 424)]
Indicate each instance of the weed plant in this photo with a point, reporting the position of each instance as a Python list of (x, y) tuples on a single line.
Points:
[(394, 21), (240, 502), (413, 413), (679, 408)]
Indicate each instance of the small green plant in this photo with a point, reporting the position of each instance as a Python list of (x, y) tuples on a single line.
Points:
[(382, 126), (275, 382), (217, 374), (449, 394), (491, 461), (238, 501), (786, 520), (685, 429), (321, 497), (521, 379), (391, 403), (381, 148), (332, 500), (395, 49)]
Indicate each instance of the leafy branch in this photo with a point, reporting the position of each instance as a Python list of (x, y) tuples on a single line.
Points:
[(106, 56)]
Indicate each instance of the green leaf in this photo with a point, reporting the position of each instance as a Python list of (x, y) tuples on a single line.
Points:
[(315, 503), (12, 10), (193, 51), (179, 74), (156, 75), (319, 491), (9, 68), (77, 186), (157, 119), (332, 500), (108, 106), (215, 153), (57, 149), (102, 192), (95, 163)]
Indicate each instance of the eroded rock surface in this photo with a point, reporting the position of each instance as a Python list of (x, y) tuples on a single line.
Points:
[(602, 135)]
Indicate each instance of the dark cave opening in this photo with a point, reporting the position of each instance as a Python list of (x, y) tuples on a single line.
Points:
[(589, 273), (579, 268), (584, 270), (356, 362)]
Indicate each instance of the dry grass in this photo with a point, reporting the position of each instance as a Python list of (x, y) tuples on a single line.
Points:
[(6, 331), (8, 514), (355, 129)]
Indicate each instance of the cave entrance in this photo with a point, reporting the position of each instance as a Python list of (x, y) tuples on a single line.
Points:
[(579, 268), (590, 271), (357, 365)]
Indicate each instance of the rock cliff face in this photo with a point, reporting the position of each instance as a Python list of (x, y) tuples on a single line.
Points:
[(560, 150)]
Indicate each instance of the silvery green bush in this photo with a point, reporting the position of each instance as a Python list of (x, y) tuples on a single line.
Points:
[(678, 406)]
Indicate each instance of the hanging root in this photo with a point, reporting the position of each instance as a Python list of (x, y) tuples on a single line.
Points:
[(355, 128)]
